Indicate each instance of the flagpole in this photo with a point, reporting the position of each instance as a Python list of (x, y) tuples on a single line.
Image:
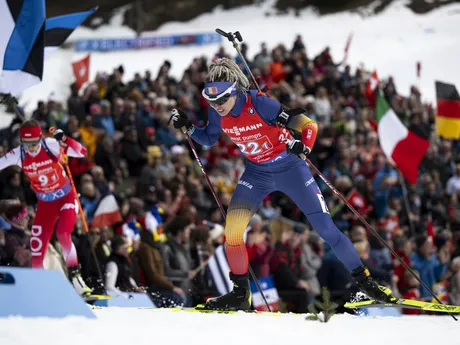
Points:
[(406, 203)]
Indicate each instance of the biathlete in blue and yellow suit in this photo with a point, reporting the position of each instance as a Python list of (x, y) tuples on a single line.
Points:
[(260, 127)]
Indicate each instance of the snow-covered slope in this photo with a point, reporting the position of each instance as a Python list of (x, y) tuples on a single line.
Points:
[(391, 42), (116, 326)]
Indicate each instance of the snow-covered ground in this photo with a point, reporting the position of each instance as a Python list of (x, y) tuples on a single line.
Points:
[(391, 42), (116, 326)]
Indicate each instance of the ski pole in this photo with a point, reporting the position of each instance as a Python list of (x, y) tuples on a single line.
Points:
[(221, 208), (237, 36), (375, 233), (65, 160)]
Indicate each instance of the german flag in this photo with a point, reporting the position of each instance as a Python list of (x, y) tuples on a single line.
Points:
[(448, 116)]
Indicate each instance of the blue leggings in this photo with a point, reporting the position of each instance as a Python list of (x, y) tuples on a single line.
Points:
[(291, 176)]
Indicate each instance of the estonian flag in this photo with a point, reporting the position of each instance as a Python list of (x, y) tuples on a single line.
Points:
[(58, 29), (24, 33)]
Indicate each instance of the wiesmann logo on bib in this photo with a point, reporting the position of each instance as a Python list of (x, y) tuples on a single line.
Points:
[(36, 165), (238, 130)]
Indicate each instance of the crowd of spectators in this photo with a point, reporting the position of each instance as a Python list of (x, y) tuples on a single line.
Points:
[(135, 155)]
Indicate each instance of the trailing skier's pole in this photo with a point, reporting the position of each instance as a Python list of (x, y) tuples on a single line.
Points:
[(65, 161), (221, 208), (11, 101), (237, 36)]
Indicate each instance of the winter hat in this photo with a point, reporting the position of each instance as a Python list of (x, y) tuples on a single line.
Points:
[(216, 231), (30, 132), (95, 109), (15, 212), (420, 240), (440, 240), (105, 103), (299, 228)]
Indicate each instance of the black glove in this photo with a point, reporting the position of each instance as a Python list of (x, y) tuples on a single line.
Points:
[(283, 118), (296, 147), (59, 135), (8, 99), (180, 119)]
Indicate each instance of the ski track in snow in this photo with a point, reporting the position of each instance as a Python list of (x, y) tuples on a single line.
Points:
[(133, 326)]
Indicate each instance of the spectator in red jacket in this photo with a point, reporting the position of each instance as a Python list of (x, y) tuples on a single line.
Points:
[(286, 269), (259, 248), (411, 291), (403, 247)]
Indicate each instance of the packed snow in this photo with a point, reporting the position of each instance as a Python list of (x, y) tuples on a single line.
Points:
[(391, 42), (117, 326)]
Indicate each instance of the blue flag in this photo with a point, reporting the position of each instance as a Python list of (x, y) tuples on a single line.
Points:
[(58, 29), (21, 44), (25, 35)]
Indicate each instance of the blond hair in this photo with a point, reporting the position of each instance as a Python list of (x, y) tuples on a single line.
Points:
[(227, 70)]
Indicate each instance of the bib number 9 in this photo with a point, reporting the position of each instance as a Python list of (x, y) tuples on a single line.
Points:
[(47, 179), (43, 179)]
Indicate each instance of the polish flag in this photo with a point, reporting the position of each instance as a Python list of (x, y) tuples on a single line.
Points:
[(107, 212), (81, 71)]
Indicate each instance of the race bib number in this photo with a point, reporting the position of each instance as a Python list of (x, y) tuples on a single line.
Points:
[(48, 178), (256, 147)]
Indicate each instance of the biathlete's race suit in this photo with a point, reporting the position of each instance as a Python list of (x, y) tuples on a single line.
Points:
[(56, 199), (261, 127), (269, 168)]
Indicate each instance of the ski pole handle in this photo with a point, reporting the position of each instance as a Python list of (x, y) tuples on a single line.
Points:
[(228, 35)]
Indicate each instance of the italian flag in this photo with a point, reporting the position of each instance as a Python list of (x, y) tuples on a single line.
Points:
[(404, 148)]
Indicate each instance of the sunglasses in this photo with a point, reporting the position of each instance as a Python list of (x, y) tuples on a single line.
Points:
[(30, 143), (220, 99)]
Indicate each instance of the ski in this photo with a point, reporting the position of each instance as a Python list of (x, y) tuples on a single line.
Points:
[(405, 303), (200, 309), (92, 298)]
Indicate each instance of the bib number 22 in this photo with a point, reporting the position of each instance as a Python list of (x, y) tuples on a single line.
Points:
[(253, 147)]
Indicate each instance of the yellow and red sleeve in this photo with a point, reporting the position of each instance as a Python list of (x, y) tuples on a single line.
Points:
[(306, 127)]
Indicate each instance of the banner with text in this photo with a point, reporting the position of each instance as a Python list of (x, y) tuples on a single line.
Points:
[(104, 45)]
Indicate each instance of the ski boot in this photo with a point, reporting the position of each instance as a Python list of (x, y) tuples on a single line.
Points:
[(370, 287), (78, 282), (237, 299)]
